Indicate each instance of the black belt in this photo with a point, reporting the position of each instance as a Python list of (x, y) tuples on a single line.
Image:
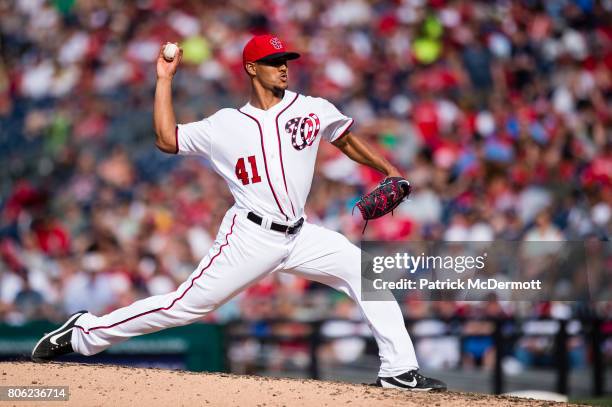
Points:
[(289, 230)]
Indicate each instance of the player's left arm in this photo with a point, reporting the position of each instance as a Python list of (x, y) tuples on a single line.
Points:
[(359, 151)]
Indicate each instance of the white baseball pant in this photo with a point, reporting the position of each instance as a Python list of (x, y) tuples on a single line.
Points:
[(243, 253)]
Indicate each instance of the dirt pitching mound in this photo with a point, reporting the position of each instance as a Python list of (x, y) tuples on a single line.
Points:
[(103, 385)]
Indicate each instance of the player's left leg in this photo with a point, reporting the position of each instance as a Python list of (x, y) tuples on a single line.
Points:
[(330, 258)]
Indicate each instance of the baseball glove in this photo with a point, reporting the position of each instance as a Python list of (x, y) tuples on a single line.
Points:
[(384, 199)]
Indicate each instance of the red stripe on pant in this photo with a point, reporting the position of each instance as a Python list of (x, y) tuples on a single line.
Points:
[(176, 299)]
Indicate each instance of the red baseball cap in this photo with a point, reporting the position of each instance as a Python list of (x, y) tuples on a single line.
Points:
[(266, 48)]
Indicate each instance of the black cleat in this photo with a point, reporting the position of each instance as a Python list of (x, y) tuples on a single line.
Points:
[(411, 380), (56, 343)]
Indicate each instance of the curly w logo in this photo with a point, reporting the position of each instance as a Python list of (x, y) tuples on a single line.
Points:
[(303, 130), (276, 43)]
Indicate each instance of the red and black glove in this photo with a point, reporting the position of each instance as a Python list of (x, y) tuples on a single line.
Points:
[(384, 199)]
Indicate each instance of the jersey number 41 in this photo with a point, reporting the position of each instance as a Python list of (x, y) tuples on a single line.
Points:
[(242, 173)]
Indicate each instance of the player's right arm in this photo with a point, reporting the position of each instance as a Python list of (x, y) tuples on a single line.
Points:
[(164, 120)]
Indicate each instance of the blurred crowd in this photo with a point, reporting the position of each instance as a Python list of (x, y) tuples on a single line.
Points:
[(498, 112)]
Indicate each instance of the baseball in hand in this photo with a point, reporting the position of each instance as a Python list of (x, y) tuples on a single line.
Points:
[(170, 51)]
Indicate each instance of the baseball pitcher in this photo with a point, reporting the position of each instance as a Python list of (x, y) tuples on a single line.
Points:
[(266, 152)]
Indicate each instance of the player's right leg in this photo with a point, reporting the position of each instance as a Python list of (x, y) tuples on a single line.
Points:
[(240, 255)]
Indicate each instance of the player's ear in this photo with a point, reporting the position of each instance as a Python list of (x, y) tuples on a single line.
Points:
[(250, 68)]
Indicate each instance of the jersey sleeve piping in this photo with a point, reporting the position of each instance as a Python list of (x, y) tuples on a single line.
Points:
[(176, 139), (343, 131)]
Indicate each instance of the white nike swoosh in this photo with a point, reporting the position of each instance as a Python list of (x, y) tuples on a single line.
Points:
[(54, 338), (60, 329), (386, 384), (413, 383)]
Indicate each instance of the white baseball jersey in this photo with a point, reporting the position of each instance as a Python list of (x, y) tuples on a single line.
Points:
[(267, 157)]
